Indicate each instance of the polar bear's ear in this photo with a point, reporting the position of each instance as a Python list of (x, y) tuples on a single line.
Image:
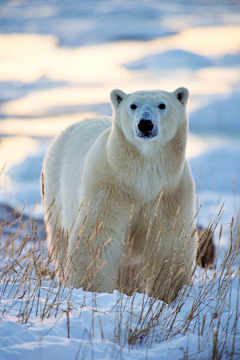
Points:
[(181, 94), (116, 97)]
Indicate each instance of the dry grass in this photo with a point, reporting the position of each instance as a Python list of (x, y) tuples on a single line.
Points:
[(27, 267)]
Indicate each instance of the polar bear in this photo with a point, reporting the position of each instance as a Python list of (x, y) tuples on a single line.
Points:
[(119, 198)]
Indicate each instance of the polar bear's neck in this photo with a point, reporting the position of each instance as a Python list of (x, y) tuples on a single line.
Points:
[(142, 173)]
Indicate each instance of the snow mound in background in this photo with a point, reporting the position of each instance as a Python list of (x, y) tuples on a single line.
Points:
[(75, 22), (232, 60), (27, 171), (217, 169), (10, 90), (96, 21), (172, 59), (22, 184), (220, 116)]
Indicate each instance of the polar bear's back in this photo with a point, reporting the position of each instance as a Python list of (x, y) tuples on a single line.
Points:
[(64, 163)]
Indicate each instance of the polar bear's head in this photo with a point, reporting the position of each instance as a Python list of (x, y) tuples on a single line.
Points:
[(150, 117)]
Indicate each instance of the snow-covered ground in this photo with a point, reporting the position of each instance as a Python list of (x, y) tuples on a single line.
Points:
[(59, 60)]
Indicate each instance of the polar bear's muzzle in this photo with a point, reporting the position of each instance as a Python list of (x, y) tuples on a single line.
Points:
[(145, 126), (146, 129)]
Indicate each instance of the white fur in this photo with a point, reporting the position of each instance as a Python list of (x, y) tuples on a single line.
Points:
[(107, 167)]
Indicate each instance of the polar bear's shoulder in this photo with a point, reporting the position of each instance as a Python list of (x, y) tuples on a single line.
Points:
[(92, 126), (77, 138), (86, 131)]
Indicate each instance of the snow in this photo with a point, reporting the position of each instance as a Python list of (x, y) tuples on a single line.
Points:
[(219, 116), (172, 59), (59, 62), (95, 320)]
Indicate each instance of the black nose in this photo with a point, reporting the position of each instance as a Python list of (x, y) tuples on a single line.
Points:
[(145, 125)]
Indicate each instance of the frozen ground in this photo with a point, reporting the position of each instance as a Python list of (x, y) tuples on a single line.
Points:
[(59, 62)]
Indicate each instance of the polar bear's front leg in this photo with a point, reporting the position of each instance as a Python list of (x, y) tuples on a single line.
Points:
[(95, 248)]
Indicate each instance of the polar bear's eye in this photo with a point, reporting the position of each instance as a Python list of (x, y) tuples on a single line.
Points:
[(162, 106), (133, 106)]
